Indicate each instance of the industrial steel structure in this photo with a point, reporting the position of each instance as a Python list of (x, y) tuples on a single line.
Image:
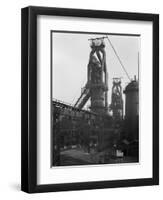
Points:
[(132, 110), (116, 99), (109, 134), (96, 87)]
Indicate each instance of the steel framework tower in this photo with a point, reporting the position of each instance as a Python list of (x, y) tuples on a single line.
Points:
[(116, 99), (96, 87)]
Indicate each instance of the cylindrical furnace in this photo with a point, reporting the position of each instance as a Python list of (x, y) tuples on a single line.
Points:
[(132, 111)]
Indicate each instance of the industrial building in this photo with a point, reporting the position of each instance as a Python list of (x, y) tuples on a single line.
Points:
[(105, 133)]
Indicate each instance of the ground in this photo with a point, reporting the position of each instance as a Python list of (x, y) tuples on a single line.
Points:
[(78, 156)]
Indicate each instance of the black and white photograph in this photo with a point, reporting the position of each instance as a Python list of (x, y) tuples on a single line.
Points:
[(90, 99), (94, 98)]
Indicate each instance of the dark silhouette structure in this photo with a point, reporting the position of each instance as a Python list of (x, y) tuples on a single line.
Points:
[(116, 100), (96, 87)]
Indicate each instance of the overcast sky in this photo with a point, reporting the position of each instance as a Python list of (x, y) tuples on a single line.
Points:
[(70, 56)]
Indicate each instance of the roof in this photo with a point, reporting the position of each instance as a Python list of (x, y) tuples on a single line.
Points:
[(132, 86)]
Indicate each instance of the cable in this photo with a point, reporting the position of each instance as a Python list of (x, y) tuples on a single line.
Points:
[(118, 58)]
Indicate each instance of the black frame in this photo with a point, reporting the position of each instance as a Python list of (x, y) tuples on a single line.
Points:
[(29, 99)]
